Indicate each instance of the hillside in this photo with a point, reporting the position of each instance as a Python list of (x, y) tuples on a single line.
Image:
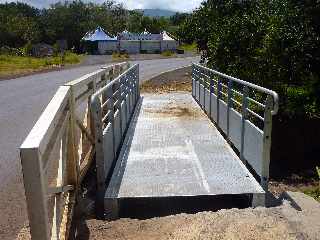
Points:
[(157, 12)]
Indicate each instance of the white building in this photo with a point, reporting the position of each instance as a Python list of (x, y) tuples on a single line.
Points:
[(144, 42)]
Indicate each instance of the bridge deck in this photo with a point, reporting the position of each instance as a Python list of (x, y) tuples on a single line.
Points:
[(172, 149)]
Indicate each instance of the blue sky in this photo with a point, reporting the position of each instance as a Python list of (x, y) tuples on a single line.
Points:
[(176, 5)]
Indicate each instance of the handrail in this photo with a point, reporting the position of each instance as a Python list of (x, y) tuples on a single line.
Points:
[(57, 153), (232, 112), (112, 108), (259, 88)]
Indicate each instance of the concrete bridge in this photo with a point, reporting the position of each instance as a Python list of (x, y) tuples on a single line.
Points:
[(174, 149), (176, 145)]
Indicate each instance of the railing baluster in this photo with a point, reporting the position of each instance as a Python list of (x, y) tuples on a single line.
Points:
[(218, 100), (211, 92), (267, 130), (243, 122), (230, 95)]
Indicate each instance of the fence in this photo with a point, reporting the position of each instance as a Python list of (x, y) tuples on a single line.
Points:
[(235, 106), (112, 108), (57, 153)]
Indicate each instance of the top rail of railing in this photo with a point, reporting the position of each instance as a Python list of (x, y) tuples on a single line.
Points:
[(248, 84)]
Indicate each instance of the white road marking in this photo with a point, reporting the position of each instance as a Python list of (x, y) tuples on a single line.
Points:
[(195, 159)]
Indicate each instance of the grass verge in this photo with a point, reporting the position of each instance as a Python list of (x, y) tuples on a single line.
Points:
[(188, 47), (120, 56), (16, 65), (168, 53)]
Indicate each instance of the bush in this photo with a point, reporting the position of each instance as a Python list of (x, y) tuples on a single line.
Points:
[(27, 49), (167, 53), (120, 56), (273, 43)]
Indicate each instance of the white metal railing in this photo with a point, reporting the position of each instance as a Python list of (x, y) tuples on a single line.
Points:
[(112, 109), (242, 110), (57, 153)]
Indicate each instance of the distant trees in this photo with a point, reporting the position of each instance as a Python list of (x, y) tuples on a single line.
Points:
[(21, 24)]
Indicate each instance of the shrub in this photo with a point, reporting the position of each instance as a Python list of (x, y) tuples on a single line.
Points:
[(27, 49), (273, 43), (167, 53)]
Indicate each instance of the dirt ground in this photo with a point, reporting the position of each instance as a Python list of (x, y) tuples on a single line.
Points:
[(178, 80), (278, 223), (259, 223)]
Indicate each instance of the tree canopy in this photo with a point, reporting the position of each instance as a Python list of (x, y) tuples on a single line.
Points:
[(273, 43)]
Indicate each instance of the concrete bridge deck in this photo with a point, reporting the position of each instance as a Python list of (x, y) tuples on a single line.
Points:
[(172, 149)]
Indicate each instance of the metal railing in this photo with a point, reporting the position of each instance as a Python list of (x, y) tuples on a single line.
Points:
[(112, 109), (242, 111), (57, 153)]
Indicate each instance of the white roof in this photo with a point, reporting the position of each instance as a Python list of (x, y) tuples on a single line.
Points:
[(145, 32), (166, 37), (98, 35)]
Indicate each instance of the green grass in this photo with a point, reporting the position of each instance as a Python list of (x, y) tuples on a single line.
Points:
[(188, 47), (313, 192), (120, 56), (13, 65), (167, 53)]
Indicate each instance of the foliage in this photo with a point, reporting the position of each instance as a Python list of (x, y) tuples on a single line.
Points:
[(27, 49), (273, 43), (314, 192), (120, 56), (167, 53), (188, 47)]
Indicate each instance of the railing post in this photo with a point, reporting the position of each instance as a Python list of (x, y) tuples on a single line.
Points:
[(204, 91), (138, 81), (73, 167), (35, 192), (198, 77), (211, 92), (193, 82), (267, 130), (100, 163), (230, 95), (219, 87), (243, 122)]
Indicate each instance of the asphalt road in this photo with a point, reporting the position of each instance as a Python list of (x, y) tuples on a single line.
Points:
[(21, 102)]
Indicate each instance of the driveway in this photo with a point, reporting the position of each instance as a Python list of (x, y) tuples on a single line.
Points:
[(22, 100)]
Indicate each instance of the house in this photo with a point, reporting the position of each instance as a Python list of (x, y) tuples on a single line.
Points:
[(132, 43), (99, 41), (42, 50)]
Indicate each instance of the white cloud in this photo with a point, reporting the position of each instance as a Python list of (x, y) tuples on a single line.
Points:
[(176, 5)]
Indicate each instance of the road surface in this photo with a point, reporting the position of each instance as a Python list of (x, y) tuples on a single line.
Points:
[(21, 102)]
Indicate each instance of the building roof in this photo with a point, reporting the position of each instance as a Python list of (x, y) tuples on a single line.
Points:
[(166, 37), (98, 35)]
